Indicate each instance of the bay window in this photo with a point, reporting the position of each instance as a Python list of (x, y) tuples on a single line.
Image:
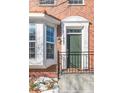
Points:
[(42, 38)]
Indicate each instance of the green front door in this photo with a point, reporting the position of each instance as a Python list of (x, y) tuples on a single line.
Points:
[(73, 51)]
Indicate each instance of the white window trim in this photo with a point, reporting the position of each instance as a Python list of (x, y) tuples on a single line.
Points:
[(77, 4)]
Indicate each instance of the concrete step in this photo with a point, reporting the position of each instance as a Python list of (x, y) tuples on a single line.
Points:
[(77, 83)]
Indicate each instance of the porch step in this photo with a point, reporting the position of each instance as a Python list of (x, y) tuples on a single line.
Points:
[(76, 83)]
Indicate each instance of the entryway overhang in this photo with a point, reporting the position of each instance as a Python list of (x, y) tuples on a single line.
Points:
[(75, 19)]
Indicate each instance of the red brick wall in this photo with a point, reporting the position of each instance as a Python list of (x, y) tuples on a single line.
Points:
[(49, 72), (62, 10)]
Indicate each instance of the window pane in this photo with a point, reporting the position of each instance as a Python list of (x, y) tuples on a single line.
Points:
[(50, 34), (73, 30), (31, 40), (46, 1), (75, 1), (50, 50), (31, 55), (31, 44), (31, 50), (52, 39), (80, 1), (31, 32)]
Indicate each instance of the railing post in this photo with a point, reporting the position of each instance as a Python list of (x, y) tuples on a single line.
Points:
[(89, 61), (58, 64)]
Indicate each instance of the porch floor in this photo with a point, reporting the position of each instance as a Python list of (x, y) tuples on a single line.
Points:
[(76, 83)]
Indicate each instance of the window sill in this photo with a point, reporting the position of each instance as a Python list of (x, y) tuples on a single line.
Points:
[(76, 4)]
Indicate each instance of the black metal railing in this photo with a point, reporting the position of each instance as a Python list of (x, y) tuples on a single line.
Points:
[(75, 62)]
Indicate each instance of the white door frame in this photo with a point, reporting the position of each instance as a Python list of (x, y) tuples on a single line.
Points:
[(74, 22)]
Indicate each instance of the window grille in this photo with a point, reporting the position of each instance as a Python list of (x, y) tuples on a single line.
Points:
[(75, 1), (46, 1)]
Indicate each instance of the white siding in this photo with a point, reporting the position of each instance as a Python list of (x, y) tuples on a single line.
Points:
[(85, 37), (85, 45), (39, 45)]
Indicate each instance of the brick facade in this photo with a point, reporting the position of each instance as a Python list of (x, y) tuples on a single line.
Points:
[(62, 10), (49, 72)]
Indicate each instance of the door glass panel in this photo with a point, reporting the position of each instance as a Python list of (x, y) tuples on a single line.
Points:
[(73, 30)]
